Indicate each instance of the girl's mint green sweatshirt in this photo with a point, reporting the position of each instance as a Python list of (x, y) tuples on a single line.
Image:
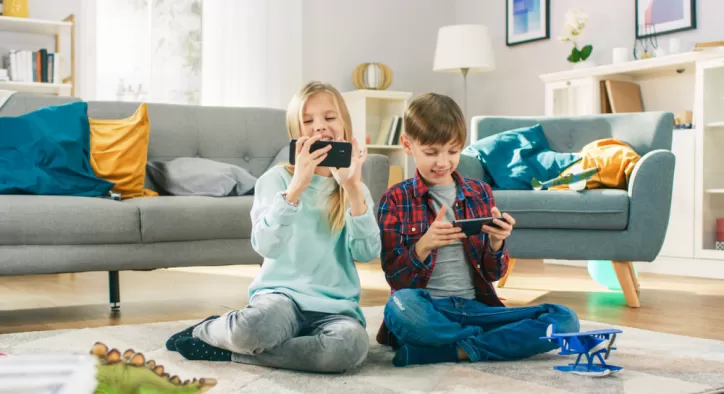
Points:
[(302, 257)]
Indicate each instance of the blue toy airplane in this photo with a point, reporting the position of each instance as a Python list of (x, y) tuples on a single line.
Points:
[(592, 344)]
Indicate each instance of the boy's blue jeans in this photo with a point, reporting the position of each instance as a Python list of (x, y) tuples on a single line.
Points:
[(485, 333)]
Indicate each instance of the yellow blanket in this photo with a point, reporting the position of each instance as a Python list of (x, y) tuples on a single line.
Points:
[(614, 159)]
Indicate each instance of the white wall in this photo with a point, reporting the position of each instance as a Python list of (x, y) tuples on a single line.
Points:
[(252, 52), (514, 88), (338, 35)]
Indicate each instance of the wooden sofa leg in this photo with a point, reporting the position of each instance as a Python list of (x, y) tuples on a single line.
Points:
[(114, 289), (629, 283), (511, 264)]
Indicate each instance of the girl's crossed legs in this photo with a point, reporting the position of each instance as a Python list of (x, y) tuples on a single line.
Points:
[(272, 331)]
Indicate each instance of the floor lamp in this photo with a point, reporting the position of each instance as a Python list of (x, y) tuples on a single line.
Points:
[(464, 49)]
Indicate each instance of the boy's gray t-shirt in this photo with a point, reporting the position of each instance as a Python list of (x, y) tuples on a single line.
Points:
[(452, 276)]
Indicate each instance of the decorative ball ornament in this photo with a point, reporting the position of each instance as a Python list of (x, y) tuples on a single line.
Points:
[(603, 273), (15, 8), (374, 76)]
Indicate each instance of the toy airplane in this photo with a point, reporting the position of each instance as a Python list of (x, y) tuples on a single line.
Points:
[(589, 343), (575, 181)]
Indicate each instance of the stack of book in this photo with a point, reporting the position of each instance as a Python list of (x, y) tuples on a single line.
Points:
[(33, 66), (390, 130)]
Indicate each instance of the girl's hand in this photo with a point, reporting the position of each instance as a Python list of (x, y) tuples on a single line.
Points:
[(351, 178), (304, 166)]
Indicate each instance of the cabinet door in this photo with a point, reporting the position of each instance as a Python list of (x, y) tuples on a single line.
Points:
[(572, 97), (679, 241)]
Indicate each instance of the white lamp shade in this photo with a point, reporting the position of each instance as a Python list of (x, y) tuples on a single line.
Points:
[(464, 46)]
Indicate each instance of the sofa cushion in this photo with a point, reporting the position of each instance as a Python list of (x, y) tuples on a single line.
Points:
[(598, 209), (66, 220), (47, 152), (119, 149), (196, 176), (515, 157), (193, 218)]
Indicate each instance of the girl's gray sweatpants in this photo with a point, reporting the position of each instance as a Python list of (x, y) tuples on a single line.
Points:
[(272, 331)]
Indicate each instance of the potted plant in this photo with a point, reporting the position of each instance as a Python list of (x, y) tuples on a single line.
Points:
[(576, 20)]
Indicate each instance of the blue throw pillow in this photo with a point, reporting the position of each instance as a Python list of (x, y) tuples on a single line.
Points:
[(47, 152), (514, 157)]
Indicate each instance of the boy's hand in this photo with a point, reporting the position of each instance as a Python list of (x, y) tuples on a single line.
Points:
[(500, 231), (439, 234)]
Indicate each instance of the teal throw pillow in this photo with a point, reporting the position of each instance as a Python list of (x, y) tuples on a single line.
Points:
[(47, 152)]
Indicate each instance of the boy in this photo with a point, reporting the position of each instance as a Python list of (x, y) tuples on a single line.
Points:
[(443, 306)]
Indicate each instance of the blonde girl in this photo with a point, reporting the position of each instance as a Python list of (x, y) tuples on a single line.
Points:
[(310, 224)]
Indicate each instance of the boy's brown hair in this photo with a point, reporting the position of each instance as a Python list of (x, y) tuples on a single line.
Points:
[(435, 119)]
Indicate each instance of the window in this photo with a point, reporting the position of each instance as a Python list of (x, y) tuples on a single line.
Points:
[(149, 50)]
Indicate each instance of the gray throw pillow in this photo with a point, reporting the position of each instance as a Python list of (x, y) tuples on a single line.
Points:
[(281, 158), (196, 176), (471, 167)]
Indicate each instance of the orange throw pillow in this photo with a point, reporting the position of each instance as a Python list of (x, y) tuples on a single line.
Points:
[(119, 151), (614, 159)]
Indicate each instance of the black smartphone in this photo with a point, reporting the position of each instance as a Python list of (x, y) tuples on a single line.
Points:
[(475, 226), (339, 156)]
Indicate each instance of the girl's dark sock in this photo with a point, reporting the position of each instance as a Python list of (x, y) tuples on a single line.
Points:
[(196, 349), (171, 342)]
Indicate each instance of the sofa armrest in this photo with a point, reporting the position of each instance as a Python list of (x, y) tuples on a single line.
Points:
[(376, 175), (650, 189)]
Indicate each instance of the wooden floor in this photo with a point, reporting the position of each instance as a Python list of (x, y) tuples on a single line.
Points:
[(684, 306)]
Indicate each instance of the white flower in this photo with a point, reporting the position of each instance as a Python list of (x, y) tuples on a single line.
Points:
[(575, 22)]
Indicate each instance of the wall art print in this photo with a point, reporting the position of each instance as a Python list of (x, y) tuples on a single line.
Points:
[(657, 17), (526, 21)]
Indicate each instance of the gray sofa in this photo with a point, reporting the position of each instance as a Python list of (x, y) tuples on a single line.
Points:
[(57, 234), (600, 224)]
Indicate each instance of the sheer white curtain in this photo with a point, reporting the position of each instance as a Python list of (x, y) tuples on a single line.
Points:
[(252, 52), (208, 52), (148, 50)]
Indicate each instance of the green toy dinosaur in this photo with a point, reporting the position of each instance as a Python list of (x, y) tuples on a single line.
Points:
[(130, 373)]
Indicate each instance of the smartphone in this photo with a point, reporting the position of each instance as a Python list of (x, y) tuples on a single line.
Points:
[(475, 226), (339, 156)]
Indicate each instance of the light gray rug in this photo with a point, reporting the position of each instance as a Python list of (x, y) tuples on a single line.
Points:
[(653, 363)]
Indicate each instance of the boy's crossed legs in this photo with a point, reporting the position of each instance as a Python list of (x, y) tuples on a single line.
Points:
[(434, 330), (272, 331)]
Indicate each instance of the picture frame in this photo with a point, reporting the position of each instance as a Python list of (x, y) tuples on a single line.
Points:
[(527, 21), (659, 17)]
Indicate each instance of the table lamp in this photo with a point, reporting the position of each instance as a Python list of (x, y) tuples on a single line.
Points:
[(464, 48)]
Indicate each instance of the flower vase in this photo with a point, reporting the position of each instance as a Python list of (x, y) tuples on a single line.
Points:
[(584, 64)]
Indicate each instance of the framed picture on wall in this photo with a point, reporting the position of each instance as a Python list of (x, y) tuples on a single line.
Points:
[(526, 21), (657, 17)]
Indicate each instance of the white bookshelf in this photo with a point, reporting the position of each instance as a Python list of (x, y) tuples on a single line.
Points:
[(56, 29), (60, 89), (371, 111), (710, 165), (34, 26), (691, 81)]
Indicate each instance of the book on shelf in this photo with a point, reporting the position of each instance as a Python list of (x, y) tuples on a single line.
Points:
[(390, 129), (33, 66)]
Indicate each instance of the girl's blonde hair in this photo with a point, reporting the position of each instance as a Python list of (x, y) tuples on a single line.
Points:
[(338, 199)]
